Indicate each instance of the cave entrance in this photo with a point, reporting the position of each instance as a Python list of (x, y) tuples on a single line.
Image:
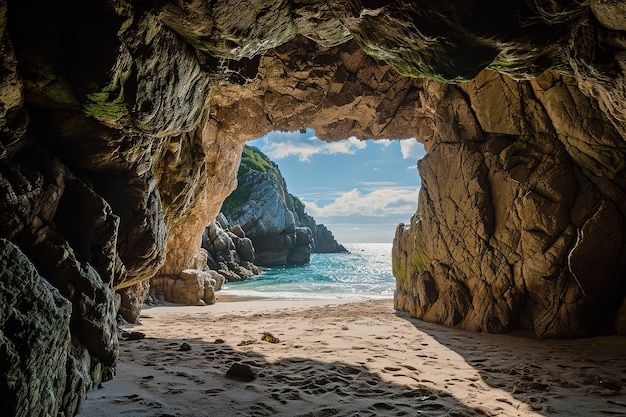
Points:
[(360, 189), (344, 200)]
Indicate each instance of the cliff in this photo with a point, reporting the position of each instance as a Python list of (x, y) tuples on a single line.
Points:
[(122, 125), (323, 239), (281, 231)]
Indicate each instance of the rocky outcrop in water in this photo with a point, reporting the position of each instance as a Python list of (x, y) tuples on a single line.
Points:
[(281, 231), (264, 209), (323, 239), (114, 157)]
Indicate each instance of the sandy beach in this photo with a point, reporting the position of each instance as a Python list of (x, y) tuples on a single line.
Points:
[(329, 358)]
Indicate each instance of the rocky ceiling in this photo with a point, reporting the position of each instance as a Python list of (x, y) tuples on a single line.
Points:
[(122, 124)]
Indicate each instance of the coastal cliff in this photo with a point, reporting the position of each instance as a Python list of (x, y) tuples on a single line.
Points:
[(274, 220), (122, 124)]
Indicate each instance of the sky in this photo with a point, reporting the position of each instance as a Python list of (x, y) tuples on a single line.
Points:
[(361, 190)]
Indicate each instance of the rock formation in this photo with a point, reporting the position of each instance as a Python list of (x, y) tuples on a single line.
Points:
[(194, 286), (323, 239), (122, 125), (264, 209), (230, 253), (281, 231)]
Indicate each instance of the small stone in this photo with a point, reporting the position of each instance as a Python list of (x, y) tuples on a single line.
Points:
[(184, 347), (270, 338), (241, 372), (220, 341), (133, 335)]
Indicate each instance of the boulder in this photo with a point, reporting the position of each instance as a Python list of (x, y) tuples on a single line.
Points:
[(191, 287)]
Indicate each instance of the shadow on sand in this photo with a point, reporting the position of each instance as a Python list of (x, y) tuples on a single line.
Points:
[(578, 377), (173, 382)]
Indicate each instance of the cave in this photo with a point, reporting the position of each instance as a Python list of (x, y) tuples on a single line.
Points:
[(123, 122)]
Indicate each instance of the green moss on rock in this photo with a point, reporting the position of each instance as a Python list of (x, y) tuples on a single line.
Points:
[(55, 88), (106, 106)]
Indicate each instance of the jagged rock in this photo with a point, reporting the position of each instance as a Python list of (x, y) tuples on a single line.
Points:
[(131, 301), (519, 210), (228, 254), (36, 339), (323, 239)]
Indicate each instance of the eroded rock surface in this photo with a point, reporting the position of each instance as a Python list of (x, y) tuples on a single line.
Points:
[(121, 126), (523, 233), (264, 209), (229, 251)]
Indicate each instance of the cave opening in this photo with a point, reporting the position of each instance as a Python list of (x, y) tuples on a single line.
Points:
[(349, 196)]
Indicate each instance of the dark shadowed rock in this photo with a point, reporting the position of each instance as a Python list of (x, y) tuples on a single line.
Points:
[(36, 343), (241, 372)]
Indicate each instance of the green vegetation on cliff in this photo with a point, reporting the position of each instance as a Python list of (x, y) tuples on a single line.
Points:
[(252, 159)]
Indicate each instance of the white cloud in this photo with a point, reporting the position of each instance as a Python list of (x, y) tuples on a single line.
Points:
[(383, 142), (283, 146), (378, 203), (374, 185), (411, 148)]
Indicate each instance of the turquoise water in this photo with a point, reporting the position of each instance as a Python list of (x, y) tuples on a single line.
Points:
[(364, 272)]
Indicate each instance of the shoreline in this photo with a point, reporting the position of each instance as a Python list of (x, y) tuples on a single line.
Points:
[(334, 358), (235, 304)]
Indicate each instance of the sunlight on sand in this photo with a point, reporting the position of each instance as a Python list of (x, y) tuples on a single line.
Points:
[(350, 359)]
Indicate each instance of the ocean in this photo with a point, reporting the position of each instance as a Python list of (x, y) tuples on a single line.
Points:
[(362, 273)]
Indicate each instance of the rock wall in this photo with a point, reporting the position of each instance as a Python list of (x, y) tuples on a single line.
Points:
[(528, 231), (121, 126)]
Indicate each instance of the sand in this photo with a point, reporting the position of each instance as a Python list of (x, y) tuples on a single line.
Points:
[(351, 359)]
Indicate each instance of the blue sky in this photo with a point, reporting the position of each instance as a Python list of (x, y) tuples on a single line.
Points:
[(360, 190)]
